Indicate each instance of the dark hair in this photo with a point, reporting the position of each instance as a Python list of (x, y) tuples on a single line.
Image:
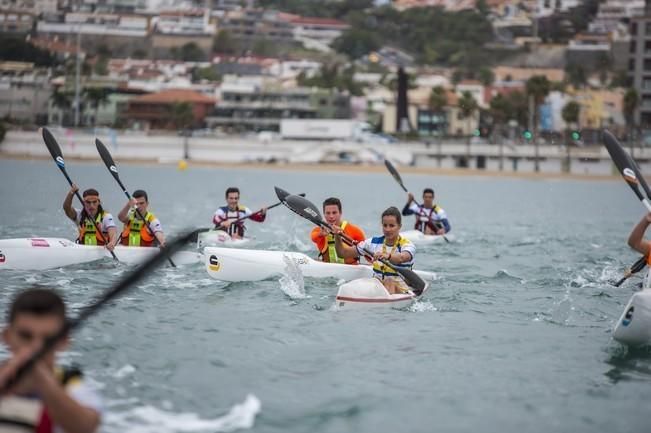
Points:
[(90, 191), (139, 193), (393, 211), (428, 190), (230, 190), (330, 201), (40, 302)]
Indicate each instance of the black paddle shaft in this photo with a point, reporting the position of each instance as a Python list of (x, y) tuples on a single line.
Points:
[(72, 324), (57, 155), (110, 164)]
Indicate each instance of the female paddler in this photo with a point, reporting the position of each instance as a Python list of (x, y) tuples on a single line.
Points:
[(399, 251)]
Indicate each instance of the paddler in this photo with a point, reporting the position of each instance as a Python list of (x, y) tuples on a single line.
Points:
[(325, 241), (105, 233), (399, 251), (136, 232), (431, 219), (636, 238), (228, 218), (47, 398)]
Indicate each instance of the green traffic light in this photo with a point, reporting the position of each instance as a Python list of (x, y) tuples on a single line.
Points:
[(576, 135), (527, 135), (476, 133)]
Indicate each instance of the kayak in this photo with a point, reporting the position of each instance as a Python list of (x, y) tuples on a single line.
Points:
[(236, 264), (50, 253), (369, 292), (219, 237), (634, 326), (420, 238)]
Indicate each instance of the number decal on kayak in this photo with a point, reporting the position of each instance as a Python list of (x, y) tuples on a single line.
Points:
[(628, 317), (2, 258), (301, 261), (213, 263)]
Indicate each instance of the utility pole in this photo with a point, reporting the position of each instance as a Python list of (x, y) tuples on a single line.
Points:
[(77, 73)]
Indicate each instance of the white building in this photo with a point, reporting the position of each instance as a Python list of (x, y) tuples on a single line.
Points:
[(548, 7)]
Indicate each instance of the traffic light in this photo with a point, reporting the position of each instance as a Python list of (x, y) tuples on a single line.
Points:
[(576, 135), (476, 132), (527, 135)]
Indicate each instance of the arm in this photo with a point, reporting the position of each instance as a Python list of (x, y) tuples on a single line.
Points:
[(636, 238), (407, 209), (123, 216), (160, 237), (64, 410), (67, 203), (345, 251)]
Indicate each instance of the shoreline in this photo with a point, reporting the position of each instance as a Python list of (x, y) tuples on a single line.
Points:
[(328, 167)]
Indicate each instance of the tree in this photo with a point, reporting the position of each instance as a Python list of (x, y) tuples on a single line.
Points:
[(438, 99), (486, 76), (467, 108), (62, 101), (571, 112), (575, 75), (190, 52), (631, 102), (97, 96), (537, 88), (357, 43), (208, 73), (182, 115), (224, 43)]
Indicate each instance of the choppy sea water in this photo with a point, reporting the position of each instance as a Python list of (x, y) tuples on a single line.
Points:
[(514, 336)]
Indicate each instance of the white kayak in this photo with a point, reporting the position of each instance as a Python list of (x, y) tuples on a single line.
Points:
[(634, 326), (234, 264), (219, 237), (420, 238), (50, 253), (369, 292)]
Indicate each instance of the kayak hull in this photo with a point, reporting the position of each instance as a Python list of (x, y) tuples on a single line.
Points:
[(51, 253), (370, 293), (634, 326), (219, 238), (234, 265), (420, 238)]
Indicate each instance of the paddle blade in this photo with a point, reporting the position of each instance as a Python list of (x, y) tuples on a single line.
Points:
[(53, 148), (305, 208), (416, 283), (394, 173), (106, 157), (281, 193), (623, 162)]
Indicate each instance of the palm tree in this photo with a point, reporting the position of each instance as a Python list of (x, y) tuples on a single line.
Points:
[(500, 110), (62, 101), (571, 112), (98, 96), (631, 102), (538, 88), (438, 99), (467, 108), (182, 117)]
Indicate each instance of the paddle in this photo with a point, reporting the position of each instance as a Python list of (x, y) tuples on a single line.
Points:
[(635, 268), (398, 179), (113, 169), (307, 210), (72, 324), (235, 221), (633, 177), (57, 155)]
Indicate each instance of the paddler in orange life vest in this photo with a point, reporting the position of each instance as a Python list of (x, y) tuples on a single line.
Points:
[(47, 399), (325, 241), (226, 217), (106, 232), (135, 232), (431, 219)]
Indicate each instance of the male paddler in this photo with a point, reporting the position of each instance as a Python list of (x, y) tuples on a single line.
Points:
[(105, 233), (431, 219), (136, 232), (230, 217), (325, 241)]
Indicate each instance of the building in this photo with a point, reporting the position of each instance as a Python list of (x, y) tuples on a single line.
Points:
[(589, 50), (24, 92), (172, 30), (508, 73), (613, 12), (156, 110), (546, 8), (639, 66), (35, 7), (320, 30), (254, 107), (16, 21), (123, 35), (449, 5), (251, 25)]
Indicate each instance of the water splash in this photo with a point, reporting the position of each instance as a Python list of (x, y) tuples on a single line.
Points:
[(150, 419), (420, 306), (292, 282)]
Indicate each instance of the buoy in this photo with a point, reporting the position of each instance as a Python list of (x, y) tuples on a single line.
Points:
[(183, 164)]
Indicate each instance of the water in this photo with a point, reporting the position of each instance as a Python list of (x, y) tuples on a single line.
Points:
[(515, 336)]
